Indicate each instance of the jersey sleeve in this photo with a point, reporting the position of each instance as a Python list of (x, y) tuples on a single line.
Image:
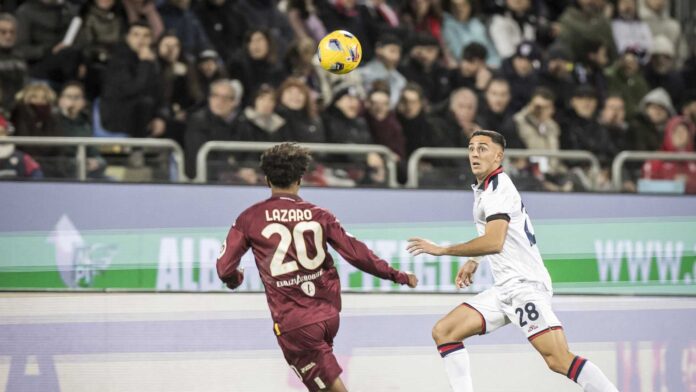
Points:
[(499, 204), (358, 254), (234, 247)]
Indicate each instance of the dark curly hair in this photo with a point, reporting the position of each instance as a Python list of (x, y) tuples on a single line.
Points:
[(285, 164)]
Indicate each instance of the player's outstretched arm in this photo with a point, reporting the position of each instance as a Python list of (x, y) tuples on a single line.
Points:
[(489, 243), (233, 249), (360, 256)]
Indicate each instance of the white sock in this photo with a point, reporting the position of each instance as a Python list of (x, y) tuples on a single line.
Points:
[(589, 376), (457, 366)]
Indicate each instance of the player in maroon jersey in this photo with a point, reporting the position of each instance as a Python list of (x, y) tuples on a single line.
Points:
[(289, 239)]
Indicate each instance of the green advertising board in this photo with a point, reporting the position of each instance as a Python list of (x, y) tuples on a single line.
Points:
[(597, 256)]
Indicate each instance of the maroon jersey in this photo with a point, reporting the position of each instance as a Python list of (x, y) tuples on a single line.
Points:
[(289, 239)]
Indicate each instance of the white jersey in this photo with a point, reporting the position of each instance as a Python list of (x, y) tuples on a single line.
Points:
[(520, 260)]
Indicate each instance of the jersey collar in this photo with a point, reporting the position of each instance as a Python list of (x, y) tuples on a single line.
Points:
[(282, 195), (487, 180)]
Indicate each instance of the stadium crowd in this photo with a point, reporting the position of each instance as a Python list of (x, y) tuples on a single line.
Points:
[(596, 75)]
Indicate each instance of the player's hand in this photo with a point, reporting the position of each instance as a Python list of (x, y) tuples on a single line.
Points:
[(412, 279), (417, 246), (465, 276), (237, 280)]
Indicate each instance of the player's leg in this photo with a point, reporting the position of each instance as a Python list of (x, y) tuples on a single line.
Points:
[(478, 316), (553, 347), (338, 386), (309, 352)]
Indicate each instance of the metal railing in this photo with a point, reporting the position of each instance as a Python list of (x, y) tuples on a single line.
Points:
[(81, 144), (437, 152), (622, 157), (327, 148)]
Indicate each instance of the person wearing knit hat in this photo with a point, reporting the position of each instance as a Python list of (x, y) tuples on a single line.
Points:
[(655, 109), (660, 70), (557, 75)]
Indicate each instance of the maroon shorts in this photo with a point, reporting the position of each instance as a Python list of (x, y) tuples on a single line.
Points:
[(309, 352)]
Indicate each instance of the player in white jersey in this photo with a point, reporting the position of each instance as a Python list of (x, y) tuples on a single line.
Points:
[(522, 286)]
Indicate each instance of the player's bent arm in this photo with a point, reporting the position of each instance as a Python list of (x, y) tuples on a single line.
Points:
[(233, 249), (490, 242)]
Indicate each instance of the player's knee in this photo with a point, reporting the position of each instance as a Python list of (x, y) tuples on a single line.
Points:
[(556, 363), (440, 332)]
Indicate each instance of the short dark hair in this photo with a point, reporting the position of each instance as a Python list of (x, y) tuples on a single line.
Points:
[(139, 24), (474, 51), (495, 136), (544, 93), (285, 164)]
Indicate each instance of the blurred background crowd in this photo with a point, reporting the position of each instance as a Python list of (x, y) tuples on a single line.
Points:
[(602, 76)]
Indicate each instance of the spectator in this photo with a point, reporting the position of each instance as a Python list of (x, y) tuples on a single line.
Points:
[(649, 125), (298, 109), (380, 18), (535, 127), (472, 71), (613, 118), (660, 70), (461, 26), (459, 120), (304, 19), (179, 87), (73, 120), (628, 30), (557, 76), (257, 64), (422, 67), (689, 107), (303, 64), (516, 24), (495, 111), (656, 14), (522, 71), (584, 23), (35, 115), (384, 126), (130, 99), (13, 69), (144, 11), (208, 69), (423, 16), (679, 137), (13, 162), (342, 119), (419, 130), (625, 79), (178, 17), (216, 121), (383, 67), (264, 14), (104, 23), (259, 122), (42, 24), (580, 129), (345, 15), (223, 23), (589, 70)]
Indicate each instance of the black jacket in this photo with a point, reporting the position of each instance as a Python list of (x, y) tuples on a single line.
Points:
[(129, 85), (583, 134), (203, 126)]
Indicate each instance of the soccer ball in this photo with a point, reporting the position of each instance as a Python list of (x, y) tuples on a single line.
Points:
[(339, 52)]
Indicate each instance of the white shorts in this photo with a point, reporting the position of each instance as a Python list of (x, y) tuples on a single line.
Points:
[(527, 305)]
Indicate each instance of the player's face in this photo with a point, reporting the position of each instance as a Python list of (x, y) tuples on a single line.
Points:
[(484, 156)]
